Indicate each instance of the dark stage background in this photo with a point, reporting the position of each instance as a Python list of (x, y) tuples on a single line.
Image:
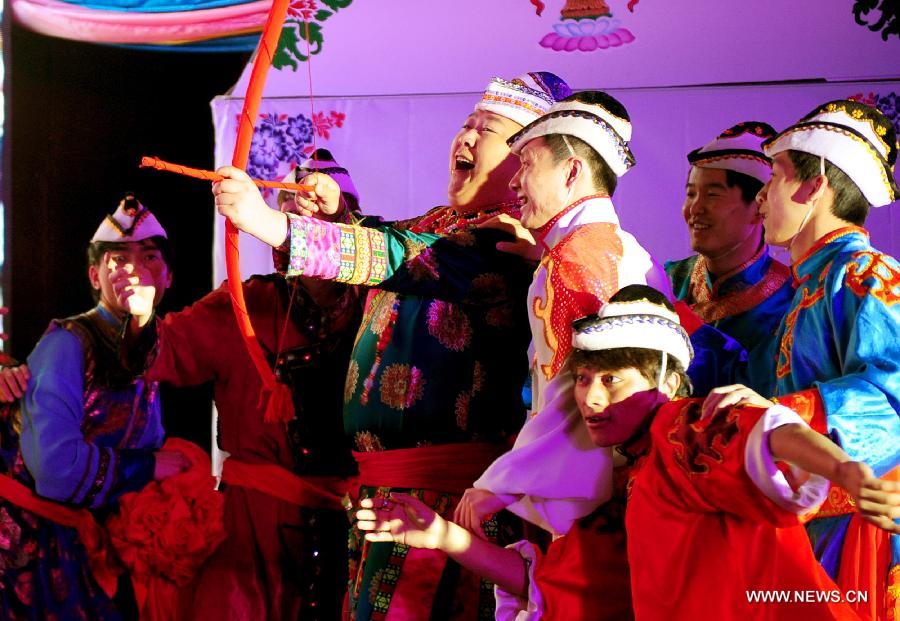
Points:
[(80, 118)]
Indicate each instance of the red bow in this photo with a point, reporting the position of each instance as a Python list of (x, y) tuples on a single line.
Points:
[(279, 406)]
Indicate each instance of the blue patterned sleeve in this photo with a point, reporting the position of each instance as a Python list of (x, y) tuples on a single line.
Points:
[(64, 465), (862, 405)]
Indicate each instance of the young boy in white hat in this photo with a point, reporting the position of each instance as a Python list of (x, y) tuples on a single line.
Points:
[(701, 514)]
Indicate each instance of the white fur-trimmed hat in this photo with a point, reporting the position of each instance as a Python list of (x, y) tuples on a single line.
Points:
[(321, 160), (855, 137), (525, 98), (641, 324), (592, 116), (738, 148), (131, 222)]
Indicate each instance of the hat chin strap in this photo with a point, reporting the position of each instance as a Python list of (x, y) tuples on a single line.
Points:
[(662, 371), (568, 145), (809, 211), (802, 224)]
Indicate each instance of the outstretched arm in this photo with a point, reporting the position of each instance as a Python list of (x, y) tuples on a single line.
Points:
[(238, 199), (476, 506), (878, 501), (404, 519), (466, 268), (815, 454)]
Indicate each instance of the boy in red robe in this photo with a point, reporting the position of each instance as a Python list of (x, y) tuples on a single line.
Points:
[(712, 521)]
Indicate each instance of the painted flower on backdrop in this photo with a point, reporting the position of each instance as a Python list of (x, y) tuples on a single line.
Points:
[(587, 26), (887, 21), (539, 6), (281, 141), (301, 35), (323, 123), (889, 104), (303, 10)]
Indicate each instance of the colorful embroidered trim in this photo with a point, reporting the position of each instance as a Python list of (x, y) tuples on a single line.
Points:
[(786, 347), (103, 471), (879, 130), (715, 156), (347, 253), (516, 86), (511, 101), (445, 220), (821, 243), (875, 274), (297, 244), (712, 307)]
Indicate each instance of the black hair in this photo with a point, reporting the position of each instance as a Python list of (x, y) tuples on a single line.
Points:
[(602, 176), (648, 362), (750, 186), (599, 98), (849, 203)]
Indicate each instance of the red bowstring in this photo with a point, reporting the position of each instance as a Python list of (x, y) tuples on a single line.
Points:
[(279, 406), (312, 118)]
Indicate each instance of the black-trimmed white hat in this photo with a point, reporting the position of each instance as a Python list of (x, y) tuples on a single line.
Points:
[(131, 222), (639, 324), (855, 137), (738, 148), (592, 116), (525, 98), (321, 160)]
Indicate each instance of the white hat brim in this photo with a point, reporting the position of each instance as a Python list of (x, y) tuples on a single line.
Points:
[(744, 163), (841, 146), (637, 331), (586, 126), (122, 228)]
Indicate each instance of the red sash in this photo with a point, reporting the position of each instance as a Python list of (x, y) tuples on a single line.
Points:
[(449, 468), (91, 535), (278, 482)]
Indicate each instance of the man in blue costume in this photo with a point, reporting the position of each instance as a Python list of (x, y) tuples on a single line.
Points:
[(838, 358), (732, 283), (89, 432)]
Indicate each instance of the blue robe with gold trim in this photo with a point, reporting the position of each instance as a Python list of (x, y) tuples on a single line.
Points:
[(746, 303), (841, 336)]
